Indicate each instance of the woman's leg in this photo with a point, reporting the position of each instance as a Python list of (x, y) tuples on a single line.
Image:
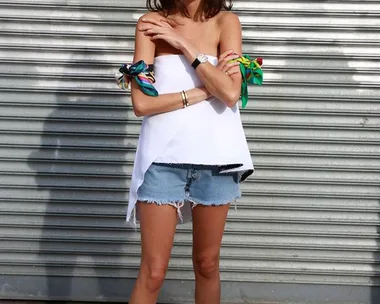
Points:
[(208, 228), (158, 224)]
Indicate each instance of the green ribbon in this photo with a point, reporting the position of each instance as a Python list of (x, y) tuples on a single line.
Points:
[(251, 73)]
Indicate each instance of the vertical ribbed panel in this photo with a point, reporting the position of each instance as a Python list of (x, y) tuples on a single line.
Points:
[(309, 215)]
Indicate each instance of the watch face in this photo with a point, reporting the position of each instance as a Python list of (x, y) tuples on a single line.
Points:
[(202, 58)]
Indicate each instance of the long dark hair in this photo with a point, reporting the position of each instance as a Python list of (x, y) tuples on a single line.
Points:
[(210, 8)]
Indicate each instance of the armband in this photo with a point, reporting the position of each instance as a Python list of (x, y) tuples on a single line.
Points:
[(251, 73), (141, 72)]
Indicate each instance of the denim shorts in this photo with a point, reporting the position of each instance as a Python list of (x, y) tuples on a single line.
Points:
[(197, 184)]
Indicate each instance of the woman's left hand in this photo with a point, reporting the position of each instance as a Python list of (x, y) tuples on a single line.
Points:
[(225, 64), (164, 31)]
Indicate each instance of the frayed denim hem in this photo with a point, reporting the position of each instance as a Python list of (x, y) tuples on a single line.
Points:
[(196, 202), (177, 204)]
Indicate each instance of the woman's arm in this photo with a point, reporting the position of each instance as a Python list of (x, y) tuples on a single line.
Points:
[(144, 105), (226, 87), (218, 83)]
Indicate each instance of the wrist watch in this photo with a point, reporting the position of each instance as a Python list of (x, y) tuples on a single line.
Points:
[(201, 58)]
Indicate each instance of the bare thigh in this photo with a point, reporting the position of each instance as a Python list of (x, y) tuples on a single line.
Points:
[(208, 228), (158, 225)]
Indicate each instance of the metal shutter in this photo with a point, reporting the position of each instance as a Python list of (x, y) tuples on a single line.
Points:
[(307, 226)]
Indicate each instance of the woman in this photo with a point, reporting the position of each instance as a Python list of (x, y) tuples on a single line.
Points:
[(192, 151)]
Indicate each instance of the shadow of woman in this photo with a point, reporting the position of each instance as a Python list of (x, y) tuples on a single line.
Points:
[(82, 170), (83, 239)]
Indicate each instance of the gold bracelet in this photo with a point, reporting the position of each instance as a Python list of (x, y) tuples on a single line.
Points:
[(184, 99)]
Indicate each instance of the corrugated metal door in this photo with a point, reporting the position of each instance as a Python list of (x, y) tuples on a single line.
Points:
[(307, 227)]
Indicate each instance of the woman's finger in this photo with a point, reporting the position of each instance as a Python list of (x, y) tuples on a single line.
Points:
[(226, 66), (143, 28), (156, 37), (155, 30), (230, 68), (225, 54), (230, 57), (232, 64), (224, 69), (160, 22), (233, 70), (152, 31), (227, 62), (230, 73)]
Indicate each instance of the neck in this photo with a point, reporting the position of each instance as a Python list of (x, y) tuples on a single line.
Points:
[(193, 7)]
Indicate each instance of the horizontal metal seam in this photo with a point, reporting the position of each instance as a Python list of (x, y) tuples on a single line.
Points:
[(91, 36)]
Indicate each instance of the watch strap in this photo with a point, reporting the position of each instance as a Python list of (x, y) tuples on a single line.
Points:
[(195, 63)]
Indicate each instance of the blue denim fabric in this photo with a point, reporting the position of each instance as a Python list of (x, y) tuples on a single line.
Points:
[(178, 183)]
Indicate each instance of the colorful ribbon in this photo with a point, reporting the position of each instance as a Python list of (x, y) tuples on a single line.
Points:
[(252, 74), (142, 73)]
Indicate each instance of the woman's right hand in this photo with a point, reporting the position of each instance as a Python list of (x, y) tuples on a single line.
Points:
[(225, 66), (162, 30)]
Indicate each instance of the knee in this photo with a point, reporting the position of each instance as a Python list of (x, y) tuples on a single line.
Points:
[(154, 276), (206, 266)]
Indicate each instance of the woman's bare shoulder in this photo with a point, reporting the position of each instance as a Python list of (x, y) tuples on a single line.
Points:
[(227, 18)]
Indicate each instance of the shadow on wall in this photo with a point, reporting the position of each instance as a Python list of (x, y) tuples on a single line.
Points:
[(81, 167)]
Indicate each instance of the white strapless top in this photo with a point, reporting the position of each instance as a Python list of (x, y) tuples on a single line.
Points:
[(207, 133)]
